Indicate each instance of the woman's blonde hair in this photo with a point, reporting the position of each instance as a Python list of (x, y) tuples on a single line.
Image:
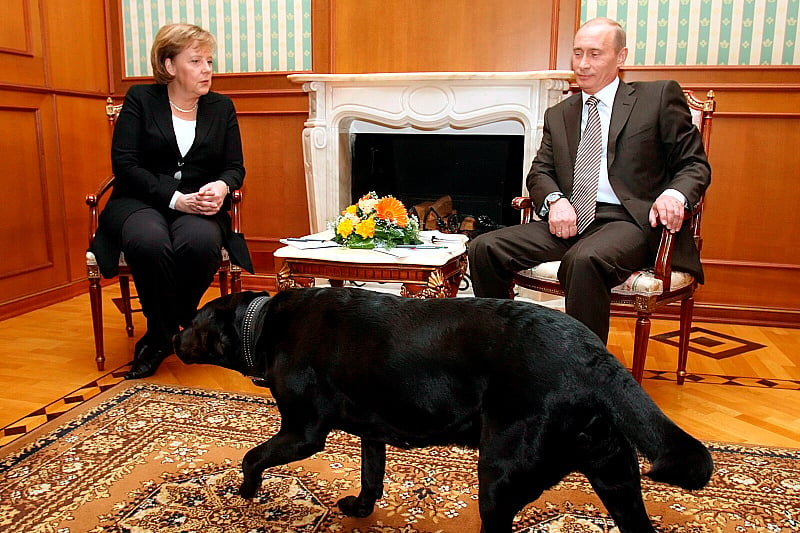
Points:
[(170, 41)]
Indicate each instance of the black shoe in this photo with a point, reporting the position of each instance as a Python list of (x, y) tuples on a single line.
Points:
[(141, 346), (147, 362)]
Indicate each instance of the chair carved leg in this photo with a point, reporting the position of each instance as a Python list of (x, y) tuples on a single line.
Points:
[(223, 282), (96, 301), (640, 345), (687, 310), (236, 279), (127, 310)]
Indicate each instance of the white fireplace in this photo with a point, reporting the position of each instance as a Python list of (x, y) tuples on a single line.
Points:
[(341, 105)]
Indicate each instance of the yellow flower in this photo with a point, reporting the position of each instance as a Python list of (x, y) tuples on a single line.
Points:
[(393, 210), (345, 227), (366, 228), (350, 209)]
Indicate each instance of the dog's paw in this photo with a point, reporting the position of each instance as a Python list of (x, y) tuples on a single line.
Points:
[(352, 506), (248, 490)]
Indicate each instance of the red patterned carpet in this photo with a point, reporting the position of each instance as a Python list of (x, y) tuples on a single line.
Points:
[(144, 457)]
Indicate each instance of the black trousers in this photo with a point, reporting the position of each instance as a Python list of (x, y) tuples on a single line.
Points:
[(173, 259), (592, 263)]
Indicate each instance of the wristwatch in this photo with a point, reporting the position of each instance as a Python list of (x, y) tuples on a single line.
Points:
[(552, 197)]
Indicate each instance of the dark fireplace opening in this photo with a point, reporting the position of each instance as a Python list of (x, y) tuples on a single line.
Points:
[(481, 173)]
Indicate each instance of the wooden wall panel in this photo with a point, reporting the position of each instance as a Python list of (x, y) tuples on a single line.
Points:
[(76, 39), (30, 230), (25, 225), (21, 44), (448, 35), (84, 137), (15, 24), (275, 203), (749, 201)]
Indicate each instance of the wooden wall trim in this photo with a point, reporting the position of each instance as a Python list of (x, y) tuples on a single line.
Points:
[(720, 314), (726, 68), (750, 264), (267, 113), (754, 114), (38, 89), (257, 93), (554, 27), (31, 302), (28, 50)]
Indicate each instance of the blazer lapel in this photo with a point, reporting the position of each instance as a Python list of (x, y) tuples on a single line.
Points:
[(620, 112), (203, 125), (163, 119), (572, 125)]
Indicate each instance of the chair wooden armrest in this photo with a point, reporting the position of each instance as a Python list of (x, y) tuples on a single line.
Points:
[(236, 200), (93, 201), (524, 204)]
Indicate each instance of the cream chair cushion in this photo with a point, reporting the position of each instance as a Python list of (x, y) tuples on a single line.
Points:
[(640, 282)]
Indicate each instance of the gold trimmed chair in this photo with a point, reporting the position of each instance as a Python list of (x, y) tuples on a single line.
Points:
[(646, 290), (229, 274)]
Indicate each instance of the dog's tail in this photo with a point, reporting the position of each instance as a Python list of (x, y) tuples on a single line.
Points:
[(676, 457)]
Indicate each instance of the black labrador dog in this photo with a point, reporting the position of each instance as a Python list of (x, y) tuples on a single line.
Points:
[(531, 388)]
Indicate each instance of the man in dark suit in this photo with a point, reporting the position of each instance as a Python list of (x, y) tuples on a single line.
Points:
[(650, 167)]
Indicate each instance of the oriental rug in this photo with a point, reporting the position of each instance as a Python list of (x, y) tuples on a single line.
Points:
[(144, 457)]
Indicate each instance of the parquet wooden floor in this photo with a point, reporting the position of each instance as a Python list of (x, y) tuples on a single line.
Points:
[(744, 384)]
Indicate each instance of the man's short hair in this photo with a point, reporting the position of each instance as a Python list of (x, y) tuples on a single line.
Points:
[(171, 40), (620, 39)]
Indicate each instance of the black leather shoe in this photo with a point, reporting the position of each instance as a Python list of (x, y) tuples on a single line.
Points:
[(147, 362), (142, 345)]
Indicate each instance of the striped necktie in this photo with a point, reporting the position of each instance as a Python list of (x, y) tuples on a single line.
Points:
[(587, 167)]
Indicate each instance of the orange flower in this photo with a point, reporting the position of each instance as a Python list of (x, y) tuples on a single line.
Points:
[(366, 228), (393, 210)]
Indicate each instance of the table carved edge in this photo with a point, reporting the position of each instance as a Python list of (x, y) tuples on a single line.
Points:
[(418, 281)]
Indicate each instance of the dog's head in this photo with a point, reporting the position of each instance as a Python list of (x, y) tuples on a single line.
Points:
[(215, 334)]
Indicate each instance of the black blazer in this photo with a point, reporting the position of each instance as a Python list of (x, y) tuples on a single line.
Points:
[(652, 146), (145, 157)]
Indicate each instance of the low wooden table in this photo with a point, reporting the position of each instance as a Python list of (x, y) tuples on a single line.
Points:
[(423, 273)]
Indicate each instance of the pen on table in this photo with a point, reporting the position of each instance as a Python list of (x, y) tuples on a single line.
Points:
[(420, 246), (296, 239)]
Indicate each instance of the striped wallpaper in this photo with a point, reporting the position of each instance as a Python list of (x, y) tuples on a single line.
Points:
[(705, 32), (252, 35)]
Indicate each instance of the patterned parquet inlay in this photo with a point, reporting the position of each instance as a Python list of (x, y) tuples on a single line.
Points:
[(57, 408), (711, 343)]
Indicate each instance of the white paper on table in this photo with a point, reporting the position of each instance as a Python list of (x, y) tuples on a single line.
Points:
[(437, 237), (309, 244)]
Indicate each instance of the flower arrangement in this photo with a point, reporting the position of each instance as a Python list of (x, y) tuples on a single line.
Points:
[(375, 222)]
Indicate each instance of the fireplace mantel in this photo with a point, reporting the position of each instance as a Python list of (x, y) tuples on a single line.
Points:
[(424, 102)]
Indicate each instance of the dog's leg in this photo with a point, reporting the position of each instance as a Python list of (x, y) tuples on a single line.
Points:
[(616, 479), (373, 468), (287, 445), (511, 474)]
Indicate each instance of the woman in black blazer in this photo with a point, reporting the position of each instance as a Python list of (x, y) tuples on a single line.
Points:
[(176, 155)]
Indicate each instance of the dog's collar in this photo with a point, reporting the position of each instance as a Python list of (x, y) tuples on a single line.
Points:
[(249, 323)]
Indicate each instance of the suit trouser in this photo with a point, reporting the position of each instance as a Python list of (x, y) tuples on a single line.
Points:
[(592, 263), (173, 259)]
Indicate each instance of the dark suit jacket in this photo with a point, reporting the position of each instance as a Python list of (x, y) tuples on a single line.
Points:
[(652, 146), (145, 157)]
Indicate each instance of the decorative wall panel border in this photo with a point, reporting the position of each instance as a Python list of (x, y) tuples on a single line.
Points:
[(252, 35), (705, 32), (15, 31)]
